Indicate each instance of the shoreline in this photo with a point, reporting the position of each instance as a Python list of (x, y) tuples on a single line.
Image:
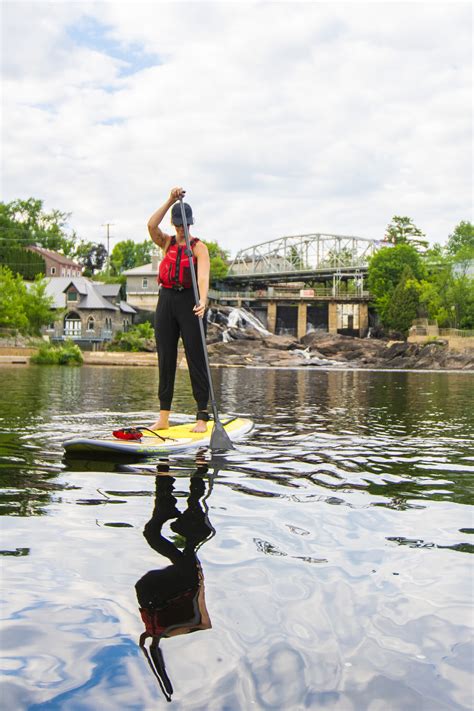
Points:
[(320, 352), (344, 367)]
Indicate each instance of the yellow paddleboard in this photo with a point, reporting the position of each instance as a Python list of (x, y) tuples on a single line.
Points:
[(178, 438)]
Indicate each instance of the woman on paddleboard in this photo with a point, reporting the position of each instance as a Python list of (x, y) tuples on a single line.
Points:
[(176, 313)]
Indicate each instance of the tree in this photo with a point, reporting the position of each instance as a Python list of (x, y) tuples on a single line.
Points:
[(219, 261), (385, 272), (403, 306), (447, 295), (295, 259), (461, 238), (12, 292), (21, 308), (402, 231), (143, 252), (344, 257), (20, 260), (38, 306), (92, 256), (25, 222), (129, 254)]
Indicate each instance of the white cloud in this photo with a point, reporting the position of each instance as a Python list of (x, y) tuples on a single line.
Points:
[(278, 118)]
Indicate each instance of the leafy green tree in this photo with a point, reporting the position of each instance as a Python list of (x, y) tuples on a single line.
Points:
[(385, 272), (462, 297), (12, 294), (294, 257), (219, 261), (21, 260), (340, 258), (22, 308), (129, 254), (25, 222), (447, 295), (123, 256), (143, 252), (38, 306), (462, 238), (403, 306), (401, 230)]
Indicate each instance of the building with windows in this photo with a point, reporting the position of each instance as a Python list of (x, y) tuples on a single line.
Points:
[(57, 265), (142, 285), (91, 312)]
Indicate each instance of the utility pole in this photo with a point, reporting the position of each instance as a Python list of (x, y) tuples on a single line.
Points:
[(108, 225)]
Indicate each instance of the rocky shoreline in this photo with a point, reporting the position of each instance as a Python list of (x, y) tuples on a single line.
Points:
[(237, 339), (319, 349)]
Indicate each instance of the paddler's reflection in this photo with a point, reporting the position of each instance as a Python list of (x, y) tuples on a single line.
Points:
[(171, 599)]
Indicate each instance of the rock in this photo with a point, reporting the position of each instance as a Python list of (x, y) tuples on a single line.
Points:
[(248, 346), (283, 343)]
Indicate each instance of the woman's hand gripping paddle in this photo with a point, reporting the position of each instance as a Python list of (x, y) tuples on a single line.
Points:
[(220, 440)]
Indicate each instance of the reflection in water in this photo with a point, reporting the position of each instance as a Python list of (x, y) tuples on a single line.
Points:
[(339, 578), (172, 599)]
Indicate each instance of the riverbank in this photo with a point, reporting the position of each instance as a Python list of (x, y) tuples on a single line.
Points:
[(320, 349), (249, 348), (283, 352)]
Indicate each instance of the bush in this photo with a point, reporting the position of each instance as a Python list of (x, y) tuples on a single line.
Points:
[(68, 353), (138, 338)]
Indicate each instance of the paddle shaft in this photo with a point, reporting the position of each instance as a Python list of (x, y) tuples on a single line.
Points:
[(189, 253)]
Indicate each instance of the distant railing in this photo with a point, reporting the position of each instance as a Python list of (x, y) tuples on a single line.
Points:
[(105, 334), (458, 332), (294, 294)]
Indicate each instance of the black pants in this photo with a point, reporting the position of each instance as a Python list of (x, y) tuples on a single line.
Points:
[(174, 318)]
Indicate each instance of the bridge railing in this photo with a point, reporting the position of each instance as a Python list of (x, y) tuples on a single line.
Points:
[(300, 254), (289, 294)]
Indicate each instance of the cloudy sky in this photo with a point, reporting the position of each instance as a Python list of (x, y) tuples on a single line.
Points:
[(278, 118)]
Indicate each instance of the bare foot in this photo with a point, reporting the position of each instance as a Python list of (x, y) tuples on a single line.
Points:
[(159, 425), (162, 423), (200, 426)]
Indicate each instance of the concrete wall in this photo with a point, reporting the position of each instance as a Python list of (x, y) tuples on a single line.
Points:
[(337, 316), (456, 343)]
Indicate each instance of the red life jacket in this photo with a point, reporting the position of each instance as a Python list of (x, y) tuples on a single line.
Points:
[(174, 271)]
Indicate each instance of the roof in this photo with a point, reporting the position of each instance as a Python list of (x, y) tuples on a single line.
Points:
[(126, 308), (91, 298), (107, 289), (144, 270), (55, 255)]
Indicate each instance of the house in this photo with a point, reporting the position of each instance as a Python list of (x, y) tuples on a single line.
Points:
[(92, 312), (142, 286), (57, 265)]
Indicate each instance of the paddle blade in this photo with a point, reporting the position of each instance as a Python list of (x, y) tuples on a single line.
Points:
[(220, 440)]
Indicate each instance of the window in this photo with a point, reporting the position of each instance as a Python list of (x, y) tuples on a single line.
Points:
[(144, 283), (52, 271), (72, 325), (90, 324), (72, 295), (63, 272)]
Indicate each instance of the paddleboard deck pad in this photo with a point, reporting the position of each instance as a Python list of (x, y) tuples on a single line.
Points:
[(178, 438)]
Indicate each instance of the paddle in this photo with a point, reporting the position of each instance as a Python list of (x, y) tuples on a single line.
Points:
[(219, 438)]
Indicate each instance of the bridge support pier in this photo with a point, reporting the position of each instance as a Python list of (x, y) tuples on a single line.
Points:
[(302, 319), (363, 320), (271, 316), (332, 317)]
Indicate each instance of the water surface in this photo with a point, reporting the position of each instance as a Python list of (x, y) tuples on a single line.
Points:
[(327, 557)]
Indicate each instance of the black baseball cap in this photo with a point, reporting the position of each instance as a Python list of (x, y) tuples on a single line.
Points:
[(176, 216)]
